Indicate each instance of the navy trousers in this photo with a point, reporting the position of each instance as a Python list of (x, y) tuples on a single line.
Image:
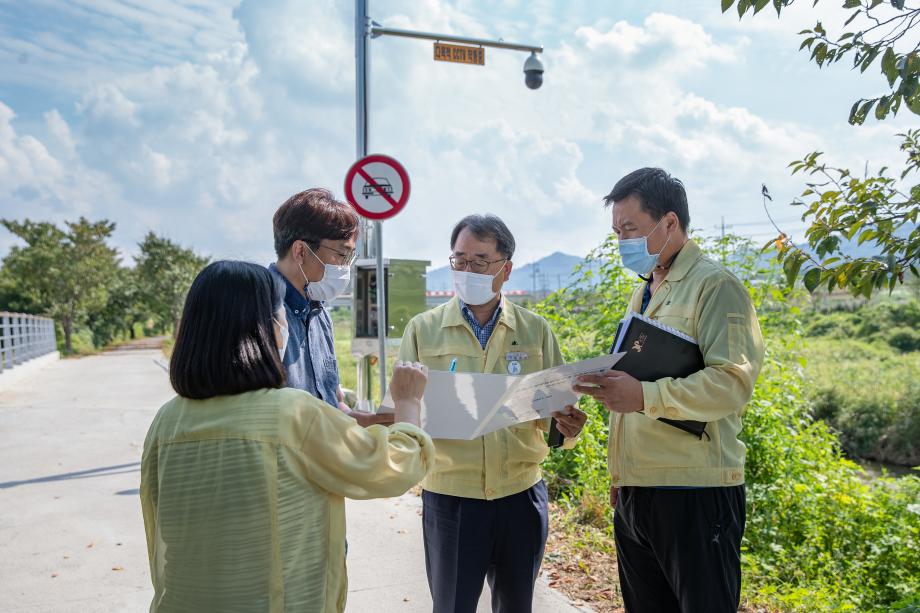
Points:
[(469, 540)]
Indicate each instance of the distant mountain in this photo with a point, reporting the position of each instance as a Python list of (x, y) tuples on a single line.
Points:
[(546, 274)]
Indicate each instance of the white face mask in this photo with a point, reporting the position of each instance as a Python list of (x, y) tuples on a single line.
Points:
[(474, 288), (285, 334), (334, 282)]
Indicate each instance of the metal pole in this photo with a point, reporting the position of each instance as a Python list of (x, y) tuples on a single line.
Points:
[(3, 341), (365, 380), (361, 93), (377, 30), (382, 327)]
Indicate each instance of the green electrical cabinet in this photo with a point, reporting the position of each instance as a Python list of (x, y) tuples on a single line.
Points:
[(405, 297)]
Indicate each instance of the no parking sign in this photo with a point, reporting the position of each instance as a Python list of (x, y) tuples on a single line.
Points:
[(377, 186)]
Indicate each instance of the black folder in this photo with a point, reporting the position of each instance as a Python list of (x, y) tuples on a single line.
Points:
[(654, 351)]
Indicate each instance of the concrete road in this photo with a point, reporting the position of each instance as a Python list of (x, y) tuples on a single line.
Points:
[(71, 533)]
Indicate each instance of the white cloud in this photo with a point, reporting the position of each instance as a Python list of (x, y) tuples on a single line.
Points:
[(70, 43), (528, 179), (60, 132), (662, 38), (108, 103), (35, 183)]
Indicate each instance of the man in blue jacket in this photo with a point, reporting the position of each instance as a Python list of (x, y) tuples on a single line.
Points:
[(315, 238)]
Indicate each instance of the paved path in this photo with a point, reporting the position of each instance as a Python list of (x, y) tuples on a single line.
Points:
[(71, 533)]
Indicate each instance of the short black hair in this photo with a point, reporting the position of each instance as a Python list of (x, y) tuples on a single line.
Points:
[(485, 227), (226, 342), (658, 193), (311, 216)]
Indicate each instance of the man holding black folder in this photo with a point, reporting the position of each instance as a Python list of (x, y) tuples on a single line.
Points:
[(679, 496)]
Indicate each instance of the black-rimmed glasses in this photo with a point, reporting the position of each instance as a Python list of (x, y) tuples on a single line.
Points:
[(476, 265)]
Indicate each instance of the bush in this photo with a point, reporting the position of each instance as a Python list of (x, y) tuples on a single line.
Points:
[(833, 325), (892, 321), (869, 393), (819, 538), (81, 339), (904, 339), (881, 317)]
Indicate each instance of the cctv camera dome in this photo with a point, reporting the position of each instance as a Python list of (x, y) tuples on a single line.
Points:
[(533, 79), (533, 72)]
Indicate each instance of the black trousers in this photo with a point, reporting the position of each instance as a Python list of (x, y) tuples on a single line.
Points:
[(468, 540), (679, 550)]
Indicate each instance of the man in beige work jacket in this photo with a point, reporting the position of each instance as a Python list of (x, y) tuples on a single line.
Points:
[(679, 498)]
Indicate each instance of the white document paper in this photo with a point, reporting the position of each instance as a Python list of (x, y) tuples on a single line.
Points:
[(468, 405)]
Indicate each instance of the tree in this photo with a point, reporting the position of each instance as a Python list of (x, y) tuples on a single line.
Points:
[(165, 270), (122, 310), (63, 274), (881, 210)]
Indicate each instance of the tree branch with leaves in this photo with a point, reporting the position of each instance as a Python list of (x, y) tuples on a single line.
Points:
[(842, 208)]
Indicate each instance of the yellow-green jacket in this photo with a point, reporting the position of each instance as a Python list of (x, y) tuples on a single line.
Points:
[(702, 299), (243, 498), (506, 461)]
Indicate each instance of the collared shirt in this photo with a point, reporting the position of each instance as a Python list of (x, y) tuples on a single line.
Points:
[(242, 498), (646, 297), (482, 332), (704, 300), (506, 461), (309, 361)]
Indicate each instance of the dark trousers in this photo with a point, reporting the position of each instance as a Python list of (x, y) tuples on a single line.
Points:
[(468, 540), (679, 550)]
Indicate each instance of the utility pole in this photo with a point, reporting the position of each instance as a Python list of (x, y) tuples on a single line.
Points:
[(534, 269)]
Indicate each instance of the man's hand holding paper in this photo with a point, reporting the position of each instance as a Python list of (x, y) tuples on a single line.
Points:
[(618, 391)]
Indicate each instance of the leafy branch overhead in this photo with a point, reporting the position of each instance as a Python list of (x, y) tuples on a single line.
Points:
[(845, 211), (872, 210), (885, 37)]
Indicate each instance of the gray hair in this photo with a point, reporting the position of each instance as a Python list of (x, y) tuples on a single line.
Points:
[(486, 227)]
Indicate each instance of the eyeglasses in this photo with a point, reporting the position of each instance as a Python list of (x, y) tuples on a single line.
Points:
[(477, 265), (346, 258)]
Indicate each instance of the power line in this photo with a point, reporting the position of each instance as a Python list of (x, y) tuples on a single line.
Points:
[(766, 223), (756, 223)]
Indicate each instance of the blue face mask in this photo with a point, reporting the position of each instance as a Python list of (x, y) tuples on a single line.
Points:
[(635, 255)]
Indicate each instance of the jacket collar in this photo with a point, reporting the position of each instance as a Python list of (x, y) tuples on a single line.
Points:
[(293, 298), (454, 317), (689, 255)]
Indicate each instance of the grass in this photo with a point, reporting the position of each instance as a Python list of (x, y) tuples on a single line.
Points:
[(348, 363), (82, 341), (870, 393)]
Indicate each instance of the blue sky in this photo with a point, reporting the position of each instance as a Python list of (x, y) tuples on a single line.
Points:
[(197, 118)]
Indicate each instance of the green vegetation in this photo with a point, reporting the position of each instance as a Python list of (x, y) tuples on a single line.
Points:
[(863, 374), (61, 273)]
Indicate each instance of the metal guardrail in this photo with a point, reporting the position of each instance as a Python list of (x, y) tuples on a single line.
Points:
[(23, 337)]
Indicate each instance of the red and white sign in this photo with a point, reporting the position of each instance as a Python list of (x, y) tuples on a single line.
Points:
[(377, 186)]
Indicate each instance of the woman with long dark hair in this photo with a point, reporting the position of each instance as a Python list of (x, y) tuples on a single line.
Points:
[(243, 480)]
